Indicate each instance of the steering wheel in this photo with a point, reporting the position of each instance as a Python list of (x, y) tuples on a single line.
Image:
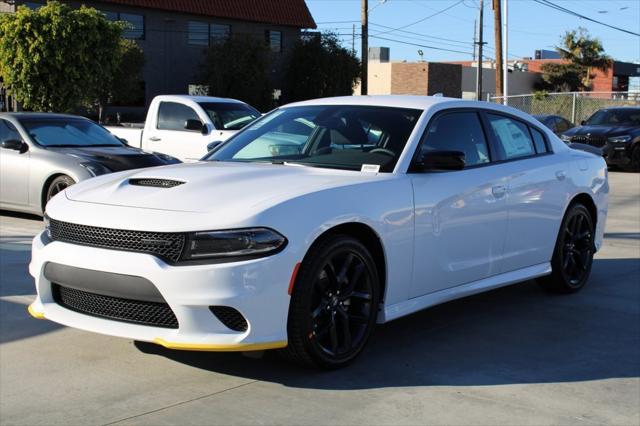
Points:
[(383, 151)]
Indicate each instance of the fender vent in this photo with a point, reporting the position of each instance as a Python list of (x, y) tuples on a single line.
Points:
[(157, 183)]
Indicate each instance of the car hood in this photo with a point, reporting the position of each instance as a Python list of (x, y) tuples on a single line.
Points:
[(212, 186), (600, 130), (116, 158)]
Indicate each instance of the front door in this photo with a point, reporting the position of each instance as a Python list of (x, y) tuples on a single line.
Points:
[(460, 216), (170, 136), (14, 169)]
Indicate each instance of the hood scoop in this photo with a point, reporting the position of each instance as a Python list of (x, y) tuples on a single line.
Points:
[(154, 182)]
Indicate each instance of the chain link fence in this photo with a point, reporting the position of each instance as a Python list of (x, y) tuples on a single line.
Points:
[(574, 106)]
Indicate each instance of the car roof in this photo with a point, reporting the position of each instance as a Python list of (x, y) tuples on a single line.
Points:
[(41, 115), (198, 99), (621, 108)]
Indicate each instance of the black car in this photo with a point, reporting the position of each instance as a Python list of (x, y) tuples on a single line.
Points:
[(557, 124), (616, 131)]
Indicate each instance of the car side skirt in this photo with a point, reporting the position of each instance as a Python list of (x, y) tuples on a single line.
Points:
[(415, 304)]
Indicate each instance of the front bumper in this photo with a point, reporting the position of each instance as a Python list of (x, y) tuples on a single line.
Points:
[(617, 154), (257, 288)]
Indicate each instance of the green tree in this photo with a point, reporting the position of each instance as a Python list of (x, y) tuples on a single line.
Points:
[(57, 58), (318, 67), (585, 52), (239, 68), (557, 77)]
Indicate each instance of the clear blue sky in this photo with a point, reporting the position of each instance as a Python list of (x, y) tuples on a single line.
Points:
[(531, 25)]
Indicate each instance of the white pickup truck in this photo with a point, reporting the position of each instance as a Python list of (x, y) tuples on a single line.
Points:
[(187, 127)]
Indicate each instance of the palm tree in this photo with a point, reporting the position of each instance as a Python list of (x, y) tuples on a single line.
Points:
[(580, 49)]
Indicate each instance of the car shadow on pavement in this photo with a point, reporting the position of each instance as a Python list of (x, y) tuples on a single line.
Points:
[(517, 334)]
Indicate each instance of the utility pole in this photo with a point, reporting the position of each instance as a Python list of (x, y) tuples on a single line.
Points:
[(480, 43), (365, 48), (353, 40), (475, 38), (497, 30), (505, 37)]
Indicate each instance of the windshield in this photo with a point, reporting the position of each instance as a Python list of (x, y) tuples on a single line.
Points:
[(330, 136), (615, 117), (229, 116), (68, 132)]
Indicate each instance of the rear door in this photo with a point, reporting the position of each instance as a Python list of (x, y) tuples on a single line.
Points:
[(536, 190), (460, 216), (169, 135)]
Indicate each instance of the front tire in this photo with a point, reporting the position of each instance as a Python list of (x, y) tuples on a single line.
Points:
[(334, 304), (57, 185), (573, 253), (635, 159)]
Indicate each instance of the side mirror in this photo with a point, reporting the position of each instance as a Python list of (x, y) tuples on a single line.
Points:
[(214, 145), (440, 161), (15, 145), (205, 130), (123, 140), (195, 125)]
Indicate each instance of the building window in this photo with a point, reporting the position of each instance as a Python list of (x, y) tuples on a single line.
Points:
[(135, 23), (198, 33), (219, 33), (274, 40), (33, 5)]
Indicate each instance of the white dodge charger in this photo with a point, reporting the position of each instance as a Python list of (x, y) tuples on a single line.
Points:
[(318, 221)]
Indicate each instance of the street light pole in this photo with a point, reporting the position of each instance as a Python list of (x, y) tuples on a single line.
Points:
[(505, 37), (480, 43)]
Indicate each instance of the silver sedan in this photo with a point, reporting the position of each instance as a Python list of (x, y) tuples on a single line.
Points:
[(41, 154)]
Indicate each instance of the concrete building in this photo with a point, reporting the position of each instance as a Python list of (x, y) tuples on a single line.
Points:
[(175, 34)]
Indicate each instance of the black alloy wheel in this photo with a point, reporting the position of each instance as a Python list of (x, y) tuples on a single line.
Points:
[(335, 304), (573, 254), (58, 185), (635, 158)]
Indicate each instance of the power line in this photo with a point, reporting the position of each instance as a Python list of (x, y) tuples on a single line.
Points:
[(423, 19), (422, 45), (571, 12)]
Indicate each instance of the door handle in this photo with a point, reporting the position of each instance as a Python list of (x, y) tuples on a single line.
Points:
[(561, 174), (499, 191), (155, 139)]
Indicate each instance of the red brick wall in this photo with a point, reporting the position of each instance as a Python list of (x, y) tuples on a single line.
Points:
[(409, 78)]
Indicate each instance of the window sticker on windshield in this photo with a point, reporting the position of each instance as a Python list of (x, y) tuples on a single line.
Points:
[(370, 168), (265, 120)]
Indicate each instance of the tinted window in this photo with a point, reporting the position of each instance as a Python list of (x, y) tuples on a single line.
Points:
[(538, 140), (8, 131), (615, 117), (329, 136), (513, 137), (172, 116), (563, 125), (229, 116), (458, 131), (68, 132)]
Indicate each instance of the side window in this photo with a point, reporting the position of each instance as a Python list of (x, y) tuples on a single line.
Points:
[(172, 116), (562, 125), (513, 137), (538, 140), (458, 131), (8, 131)]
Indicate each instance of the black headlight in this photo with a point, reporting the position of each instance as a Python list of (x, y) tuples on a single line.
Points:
[(251, 242)]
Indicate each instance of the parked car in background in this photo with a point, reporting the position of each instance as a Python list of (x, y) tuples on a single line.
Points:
[(187, 127), (42, 154), (616, 131), (556, 123), (318, 221)]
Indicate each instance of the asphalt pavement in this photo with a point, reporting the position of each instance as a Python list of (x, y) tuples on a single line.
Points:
[(511, 356)]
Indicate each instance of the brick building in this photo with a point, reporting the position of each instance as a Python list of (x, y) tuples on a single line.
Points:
[(174, 34)]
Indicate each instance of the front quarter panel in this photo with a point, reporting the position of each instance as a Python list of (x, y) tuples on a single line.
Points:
[(384, 204)]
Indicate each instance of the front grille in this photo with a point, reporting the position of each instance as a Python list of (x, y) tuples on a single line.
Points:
[(230, 317), (126, 310), (592, 140), (166, 245), (158, 183)]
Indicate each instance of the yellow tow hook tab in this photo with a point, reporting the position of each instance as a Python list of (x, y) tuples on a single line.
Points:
[(34, 313)]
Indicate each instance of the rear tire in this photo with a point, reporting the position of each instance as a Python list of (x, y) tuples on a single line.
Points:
[(635, 158), (57, 185), (573, 253), (334, 304)]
